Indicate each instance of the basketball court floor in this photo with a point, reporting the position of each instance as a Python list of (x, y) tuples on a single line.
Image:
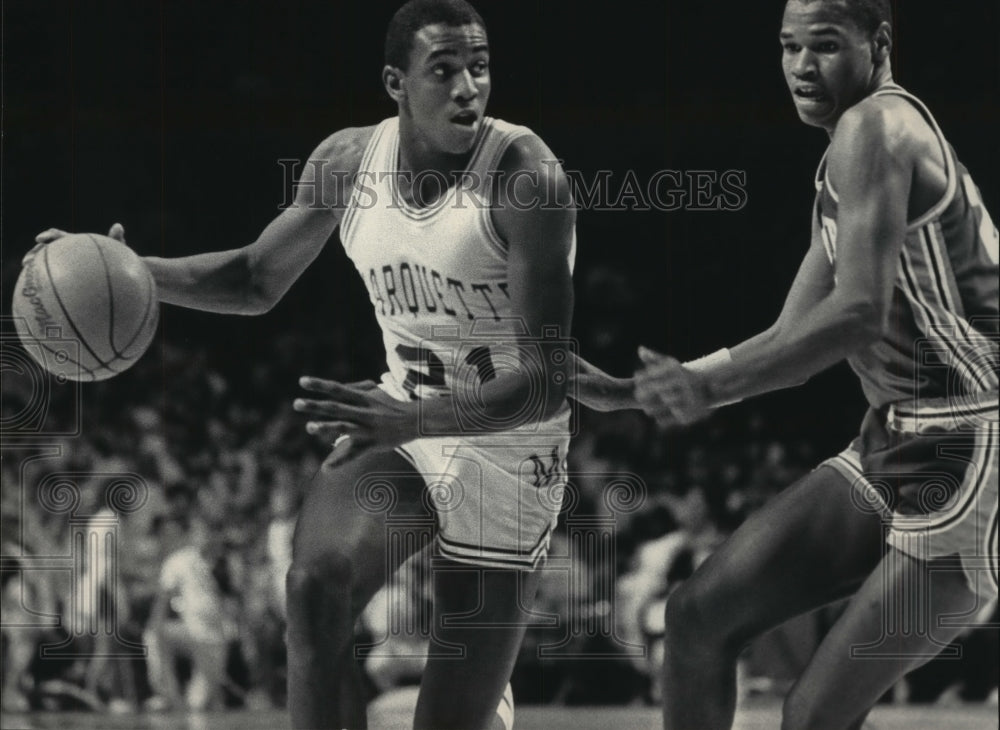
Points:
[(392, 715)]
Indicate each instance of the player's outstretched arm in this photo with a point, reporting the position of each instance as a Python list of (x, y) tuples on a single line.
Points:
[(253, 278), (595, 389), (832, 310)]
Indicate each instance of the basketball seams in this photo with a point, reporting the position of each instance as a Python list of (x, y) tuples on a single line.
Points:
[(147, 321), (69, 360), (94, 374), (73, 292), (144, 323), (111, 297), (66, 314)]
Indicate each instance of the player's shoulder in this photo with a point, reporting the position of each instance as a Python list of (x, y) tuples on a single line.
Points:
[(882, 123), (334, 161), (527, 151), (533, 169), (345, 148), (535, 193)]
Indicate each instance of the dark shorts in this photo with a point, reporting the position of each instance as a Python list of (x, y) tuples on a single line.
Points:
[(931, 469)]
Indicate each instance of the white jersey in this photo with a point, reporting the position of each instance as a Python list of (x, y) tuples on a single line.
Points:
[(436, 276)]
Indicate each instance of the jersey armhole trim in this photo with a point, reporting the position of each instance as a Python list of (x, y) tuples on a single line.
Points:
[(492, 234), (346, 222), (950, 168), (951, 184)]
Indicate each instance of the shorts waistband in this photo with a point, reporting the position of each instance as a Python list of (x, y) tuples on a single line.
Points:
[(954, 413)]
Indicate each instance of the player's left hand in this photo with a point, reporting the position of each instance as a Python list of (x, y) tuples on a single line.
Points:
[(669, 392), (370, 418), (595, 389), (49, 235)]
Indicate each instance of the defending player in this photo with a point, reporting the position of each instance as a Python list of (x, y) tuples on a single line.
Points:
[(900, 280), (437, 208)]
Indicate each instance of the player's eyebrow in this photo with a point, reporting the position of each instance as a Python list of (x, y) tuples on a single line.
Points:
[(481, 48), (441, 52), (823, 30)]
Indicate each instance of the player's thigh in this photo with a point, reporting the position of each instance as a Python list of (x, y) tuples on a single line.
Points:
[(352, 513), (472, 596), (814, 542), (480, 616), (908, 608), (904, 614)]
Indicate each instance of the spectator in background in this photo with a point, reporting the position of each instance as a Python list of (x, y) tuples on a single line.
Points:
[(398, 621), (106, 601), (283, 508), (21, 590), (28, 598), (659, 566), (187, 621)]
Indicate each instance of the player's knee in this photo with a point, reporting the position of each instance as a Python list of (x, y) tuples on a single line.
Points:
[(313, 588), (684, 617), (691, 621)]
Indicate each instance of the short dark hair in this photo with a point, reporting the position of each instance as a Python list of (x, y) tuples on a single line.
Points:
[(867, 14), (418, 14)]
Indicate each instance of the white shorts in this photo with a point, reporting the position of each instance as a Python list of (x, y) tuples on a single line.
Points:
[(496, 497)]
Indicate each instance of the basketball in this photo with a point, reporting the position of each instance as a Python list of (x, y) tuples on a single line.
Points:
[(85, 307)]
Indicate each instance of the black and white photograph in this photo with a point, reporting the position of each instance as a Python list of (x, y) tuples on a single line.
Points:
[(480, 365)]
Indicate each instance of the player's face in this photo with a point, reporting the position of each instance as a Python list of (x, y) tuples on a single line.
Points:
[(447, 85), (827, 60)]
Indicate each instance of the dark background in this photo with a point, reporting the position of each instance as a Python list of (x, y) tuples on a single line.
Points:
[(172, 116)]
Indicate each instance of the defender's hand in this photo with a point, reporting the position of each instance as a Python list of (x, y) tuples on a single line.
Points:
[(669, 392), (368, 417)]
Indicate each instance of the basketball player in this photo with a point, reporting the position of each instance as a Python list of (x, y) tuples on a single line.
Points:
[(466, 274), (901, 281)]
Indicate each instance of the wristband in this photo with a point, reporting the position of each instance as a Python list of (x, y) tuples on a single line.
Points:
[(719, 357), (707, 362)]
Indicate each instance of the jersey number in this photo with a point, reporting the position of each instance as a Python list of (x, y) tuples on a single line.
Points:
[(428, 369)]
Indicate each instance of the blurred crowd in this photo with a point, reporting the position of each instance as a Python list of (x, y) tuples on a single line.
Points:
[(179, 507)]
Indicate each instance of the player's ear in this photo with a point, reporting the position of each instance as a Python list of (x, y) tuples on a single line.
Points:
[(883, 43), (392, 79)]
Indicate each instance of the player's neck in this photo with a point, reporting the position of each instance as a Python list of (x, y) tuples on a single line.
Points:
[(416, 156), (881, 77)]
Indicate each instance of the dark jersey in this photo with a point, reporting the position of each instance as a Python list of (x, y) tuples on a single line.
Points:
[(943, 337)]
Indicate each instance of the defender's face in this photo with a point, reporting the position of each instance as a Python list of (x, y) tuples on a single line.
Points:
[(827, 60), (448, 84)]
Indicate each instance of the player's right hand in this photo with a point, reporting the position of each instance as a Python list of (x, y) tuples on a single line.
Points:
[(370, 418), (669, 392), (49, 235)]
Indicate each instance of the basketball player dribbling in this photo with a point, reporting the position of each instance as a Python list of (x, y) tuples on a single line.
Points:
[(467, 274), (901, 281)]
